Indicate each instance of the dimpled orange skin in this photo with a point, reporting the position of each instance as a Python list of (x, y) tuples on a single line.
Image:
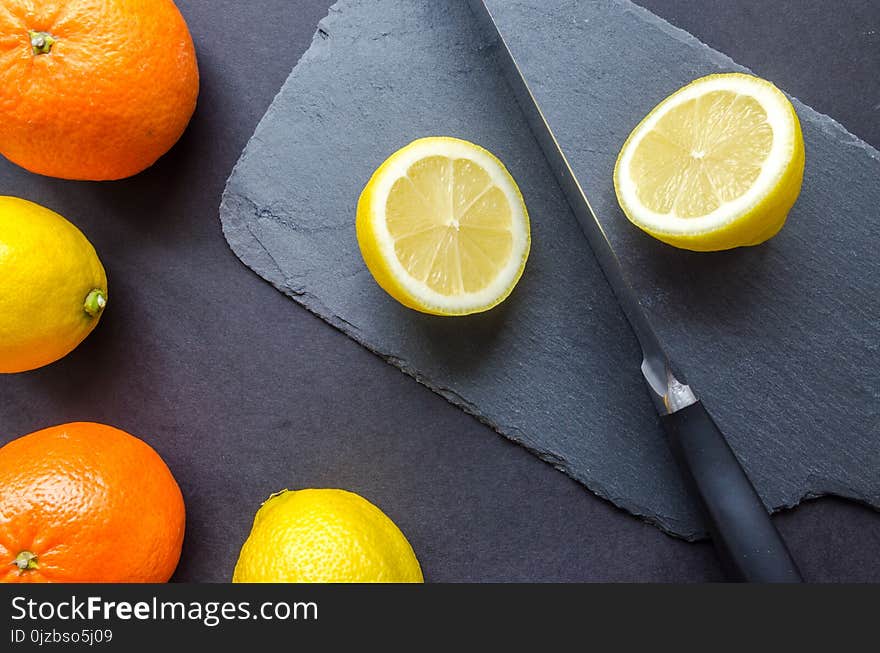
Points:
[(113, 94), (93, 503)]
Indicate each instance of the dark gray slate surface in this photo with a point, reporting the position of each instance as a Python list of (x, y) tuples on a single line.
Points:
[(780, 340), (546, 368)]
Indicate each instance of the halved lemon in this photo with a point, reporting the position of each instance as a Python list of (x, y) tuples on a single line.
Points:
[(443, 227), (716, 165)]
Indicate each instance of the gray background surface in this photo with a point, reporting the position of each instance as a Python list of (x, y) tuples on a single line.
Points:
[(193, 339)]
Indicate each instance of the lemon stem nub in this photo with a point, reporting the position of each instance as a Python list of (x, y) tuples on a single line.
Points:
[(41, 42), (26, 560), (95, 302)]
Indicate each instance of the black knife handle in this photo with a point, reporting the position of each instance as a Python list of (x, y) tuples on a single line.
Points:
[(748, 543)]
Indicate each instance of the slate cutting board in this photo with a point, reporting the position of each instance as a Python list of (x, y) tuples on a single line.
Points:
[(556, 368)]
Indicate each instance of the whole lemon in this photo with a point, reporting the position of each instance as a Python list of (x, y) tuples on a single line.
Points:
[(53, 287), (324, 536)]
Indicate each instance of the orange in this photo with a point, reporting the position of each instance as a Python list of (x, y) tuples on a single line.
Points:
[(93, 89), (87, 503)]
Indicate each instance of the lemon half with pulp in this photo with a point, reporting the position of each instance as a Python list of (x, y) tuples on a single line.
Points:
[(716, 165), (443, 228)]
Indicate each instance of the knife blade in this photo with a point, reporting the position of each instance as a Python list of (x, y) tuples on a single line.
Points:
[(748, 544)]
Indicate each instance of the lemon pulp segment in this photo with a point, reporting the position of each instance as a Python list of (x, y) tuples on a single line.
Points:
[(703, 153), (451, 227)]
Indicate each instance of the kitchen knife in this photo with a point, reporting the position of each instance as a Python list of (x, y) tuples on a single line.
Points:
[(748, 544)]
